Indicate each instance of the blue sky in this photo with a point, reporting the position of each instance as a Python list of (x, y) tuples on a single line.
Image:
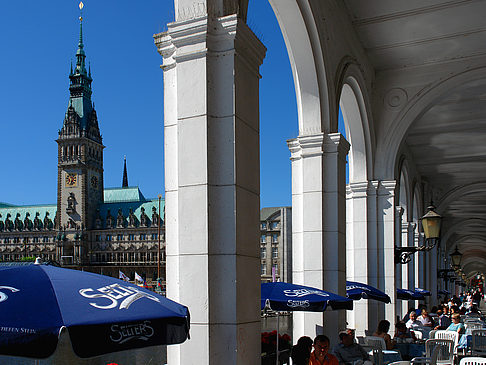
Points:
[(39, 39)]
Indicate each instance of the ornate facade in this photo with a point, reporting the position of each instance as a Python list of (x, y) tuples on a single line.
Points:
[(90, 228)]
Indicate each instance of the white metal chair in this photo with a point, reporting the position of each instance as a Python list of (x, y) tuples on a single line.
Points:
[(378, 346), (418, 334), (441, 350), (474, 326), (377, 356), (447, 335), (432, 334), (478, 347), (473, 361), (432, 360), (375, 342)]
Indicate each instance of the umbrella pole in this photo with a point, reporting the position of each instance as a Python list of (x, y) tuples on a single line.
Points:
[(278, 328)]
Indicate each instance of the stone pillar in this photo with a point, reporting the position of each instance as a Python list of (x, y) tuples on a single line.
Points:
[(361, 251), (433, 277), (386, 246), (212, 178), (318, 223), (405, 283)]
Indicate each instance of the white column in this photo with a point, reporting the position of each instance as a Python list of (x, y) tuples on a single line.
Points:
[(386, 245), (433, 277), (318, 223), (405, 268), (361, 253), (377, 309), (211, 78)]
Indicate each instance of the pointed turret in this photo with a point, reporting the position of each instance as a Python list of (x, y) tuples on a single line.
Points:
[(84, 122), (125, 174)]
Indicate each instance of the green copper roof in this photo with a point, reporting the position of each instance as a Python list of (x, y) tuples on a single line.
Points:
[(128, 194), (6, 205), (136, 207), (32, 210)]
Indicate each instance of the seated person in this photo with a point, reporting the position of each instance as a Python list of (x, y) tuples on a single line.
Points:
[(407, 316), (301, 351), (456, 325), (321, 355), (425, 319), (444, 320), (382, 331), (413, 322), (401, 331), (348, 351)]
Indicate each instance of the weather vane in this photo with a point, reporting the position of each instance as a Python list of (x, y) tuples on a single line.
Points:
[(81, 6)]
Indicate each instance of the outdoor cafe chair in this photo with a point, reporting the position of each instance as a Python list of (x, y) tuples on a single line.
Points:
[(432, 334), (444, 349), (375, 341), (432, 360), (473, 361), (377, 354), (478, 347), (474, 326), (448, 335), (378, 343), (418, 334)]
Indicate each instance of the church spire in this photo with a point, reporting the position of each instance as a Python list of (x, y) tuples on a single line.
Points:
[(125, 174)]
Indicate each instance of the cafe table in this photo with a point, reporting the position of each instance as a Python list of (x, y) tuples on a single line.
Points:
[(409, 350)]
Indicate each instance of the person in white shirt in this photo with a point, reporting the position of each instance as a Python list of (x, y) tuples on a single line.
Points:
[(425, 319), (413, 322)]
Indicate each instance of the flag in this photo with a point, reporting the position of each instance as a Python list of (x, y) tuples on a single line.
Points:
[(273, 273), (122, 276), (139, 280)]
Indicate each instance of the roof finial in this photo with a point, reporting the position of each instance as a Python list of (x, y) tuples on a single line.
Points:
[(81, 6), (125, 174)]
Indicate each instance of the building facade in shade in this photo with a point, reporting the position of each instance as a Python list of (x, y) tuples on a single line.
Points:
[(276, 244), (90, 227)]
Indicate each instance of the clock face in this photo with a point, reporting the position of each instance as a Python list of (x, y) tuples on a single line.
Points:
[(71, 179), (94, 182)]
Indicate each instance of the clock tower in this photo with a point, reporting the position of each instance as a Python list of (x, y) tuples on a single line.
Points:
[(80, 164)]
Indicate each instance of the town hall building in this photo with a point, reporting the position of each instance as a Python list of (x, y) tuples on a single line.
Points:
[(90, 227)]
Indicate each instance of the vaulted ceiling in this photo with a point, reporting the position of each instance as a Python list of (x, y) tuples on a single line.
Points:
[(448, 140)]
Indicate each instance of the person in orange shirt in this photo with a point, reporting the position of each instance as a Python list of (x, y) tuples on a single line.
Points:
[(320, 355)]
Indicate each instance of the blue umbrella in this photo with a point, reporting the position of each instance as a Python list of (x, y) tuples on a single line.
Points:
[(102, 314), (424, 292), (357, 291), (293, 297), (406, 294)]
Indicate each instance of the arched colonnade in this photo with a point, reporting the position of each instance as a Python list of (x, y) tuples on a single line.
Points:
[(341, 230)]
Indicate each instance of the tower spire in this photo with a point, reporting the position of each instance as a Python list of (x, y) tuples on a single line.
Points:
[(125, 174)]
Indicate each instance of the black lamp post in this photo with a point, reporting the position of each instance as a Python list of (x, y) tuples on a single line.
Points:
[(456, 257), (431, 226)]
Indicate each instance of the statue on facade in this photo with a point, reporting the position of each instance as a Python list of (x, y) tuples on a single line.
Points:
[(27, 222), (37, 222), (155, 217), (71, 224), (143, 218), (47, 222), (120, 219), (98, 221), (18, 223), (132, 220), (2, 225), (71, 201), (8, 223), (109, 219)]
